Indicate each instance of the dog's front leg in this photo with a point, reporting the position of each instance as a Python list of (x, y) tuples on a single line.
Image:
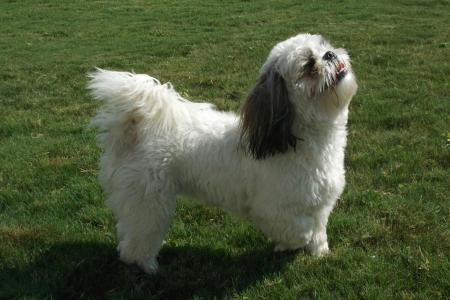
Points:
[(318, 245), (289, 232)]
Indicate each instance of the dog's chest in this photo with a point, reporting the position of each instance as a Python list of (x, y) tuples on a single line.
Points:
[(308, 180)]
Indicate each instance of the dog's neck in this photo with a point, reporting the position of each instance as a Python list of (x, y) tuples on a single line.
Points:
[(321, 129)]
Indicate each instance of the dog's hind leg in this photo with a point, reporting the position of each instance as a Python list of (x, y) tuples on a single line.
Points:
[(143, 203)]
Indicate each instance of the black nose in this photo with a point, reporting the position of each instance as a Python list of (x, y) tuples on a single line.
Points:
[(329, 55)]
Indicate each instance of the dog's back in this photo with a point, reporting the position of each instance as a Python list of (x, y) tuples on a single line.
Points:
[(194, 142)]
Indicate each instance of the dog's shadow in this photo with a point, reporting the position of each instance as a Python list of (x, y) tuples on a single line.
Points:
[(93, 271)]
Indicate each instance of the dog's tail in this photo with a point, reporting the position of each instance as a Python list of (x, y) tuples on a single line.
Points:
[(134, 105)]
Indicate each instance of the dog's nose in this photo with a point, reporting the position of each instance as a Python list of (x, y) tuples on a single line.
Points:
[(329, 56)]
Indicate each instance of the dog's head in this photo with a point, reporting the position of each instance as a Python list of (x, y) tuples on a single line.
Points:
[(304, 80)]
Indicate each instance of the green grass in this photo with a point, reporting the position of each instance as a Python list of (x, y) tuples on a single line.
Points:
[(389, 234)]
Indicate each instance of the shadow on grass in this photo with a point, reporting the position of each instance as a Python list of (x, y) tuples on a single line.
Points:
[(93, 271)]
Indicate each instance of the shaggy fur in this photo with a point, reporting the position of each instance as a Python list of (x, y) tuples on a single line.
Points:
[(281, 164)]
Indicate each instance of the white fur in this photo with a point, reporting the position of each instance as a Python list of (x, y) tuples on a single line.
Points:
[(157, 145)]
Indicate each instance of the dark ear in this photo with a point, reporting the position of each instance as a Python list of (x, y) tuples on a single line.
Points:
[(267, 117)]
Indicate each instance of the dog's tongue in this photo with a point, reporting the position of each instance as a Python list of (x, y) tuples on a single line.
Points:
[(340, 67)]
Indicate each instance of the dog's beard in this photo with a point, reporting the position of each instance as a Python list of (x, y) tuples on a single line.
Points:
[(315, 81), (335, 71)]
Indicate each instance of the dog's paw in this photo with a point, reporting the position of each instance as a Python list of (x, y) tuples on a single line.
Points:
[(148, 266), (283, 248), (147, 263), (279, 248), (319, 250)]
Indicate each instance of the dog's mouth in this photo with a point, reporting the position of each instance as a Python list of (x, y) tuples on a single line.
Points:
[(327, 77), (333, 78), (341, 71)]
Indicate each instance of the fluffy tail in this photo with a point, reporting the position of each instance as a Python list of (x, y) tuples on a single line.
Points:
[(134, 104)]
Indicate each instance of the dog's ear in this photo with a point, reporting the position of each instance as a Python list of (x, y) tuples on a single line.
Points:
[(267, 117)]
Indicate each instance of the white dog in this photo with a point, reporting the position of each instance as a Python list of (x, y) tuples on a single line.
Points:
[(280, 164)]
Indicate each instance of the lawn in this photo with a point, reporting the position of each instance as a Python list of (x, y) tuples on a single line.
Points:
[(389, 234)]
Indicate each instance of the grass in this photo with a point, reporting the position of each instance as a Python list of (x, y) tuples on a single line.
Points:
[(389, 234)]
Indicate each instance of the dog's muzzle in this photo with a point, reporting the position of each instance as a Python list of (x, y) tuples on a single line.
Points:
[(330, 56)]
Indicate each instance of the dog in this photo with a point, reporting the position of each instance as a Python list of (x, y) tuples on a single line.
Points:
[(280, 163)]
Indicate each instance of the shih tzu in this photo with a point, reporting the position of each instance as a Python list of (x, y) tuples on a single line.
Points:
[(279, 164)]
